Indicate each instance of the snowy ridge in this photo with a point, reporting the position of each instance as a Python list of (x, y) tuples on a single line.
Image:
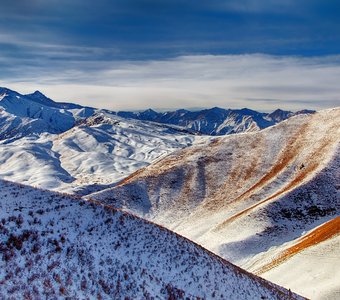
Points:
[(56, 246), (216, 121), (46, 115), (82, 149), (57, 120), (324, 232), (247, 194), (13, 127), (95, 154), (322, 257)]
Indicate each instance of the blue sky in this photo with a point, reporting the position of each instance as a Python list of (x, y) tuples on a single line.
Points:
[(111, 52)]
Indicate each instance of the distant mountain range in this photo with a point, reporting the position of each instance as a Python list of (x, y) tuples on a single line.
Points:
[(35, 113), (215, 121)]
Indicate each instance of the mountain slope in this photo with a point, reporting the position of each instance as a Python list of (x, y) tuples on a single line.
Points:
[(13, 127), (33, 114), (317, 250), (95, 154), (57, 120), (246, 194), (54, 246)]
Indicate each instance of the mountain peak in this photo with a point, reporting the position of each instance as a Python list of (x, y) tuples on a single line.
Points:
[(280, 111), (4, 90), (38, 93), (39, 97), (149, 111), (217, 109), (279, 115), (249, 111), (148, 114)]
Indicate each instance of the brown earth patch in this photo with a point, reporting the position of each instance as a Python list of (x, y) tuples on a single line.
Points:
[(292, 149), (237, 178), (311, 167), (130, 177), (322, 233)]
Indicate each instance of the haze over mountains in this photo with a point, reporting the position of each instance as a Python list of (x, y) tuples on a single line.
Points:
[(260, 190)]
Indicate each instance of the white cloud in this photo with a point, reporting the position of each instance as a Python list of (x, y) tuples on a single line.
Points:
[(259, 82)]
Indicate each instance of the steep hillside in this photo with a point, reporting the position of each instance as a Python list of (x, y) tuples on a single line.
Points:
[(246, 194), (54, 246)]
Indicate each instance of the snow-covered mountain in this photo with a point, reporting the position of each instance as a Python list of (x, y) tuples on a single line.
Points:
[(93, 155), (215, 121), (14, 127), (81, 149), (280, 115), (33, 114), (262, 200), (71, 148), (266, 200), (57, 117), (54, 246)]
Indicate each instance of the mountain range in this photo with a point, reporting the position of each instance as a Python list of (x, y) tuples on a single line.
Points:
[(216, 121), (45, 115), (125, 204), (81, 149), (267, 201)]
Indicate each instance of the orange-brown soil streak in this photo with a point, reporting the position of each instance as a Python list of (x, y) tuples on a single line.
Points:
[(292, 184), (130, 177), (318, 235), (292, 149), (237, 178)]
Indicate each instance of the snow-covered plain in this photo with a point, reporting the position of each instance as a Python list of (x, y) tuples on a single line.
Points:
[(55, 246), (248, 195)]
